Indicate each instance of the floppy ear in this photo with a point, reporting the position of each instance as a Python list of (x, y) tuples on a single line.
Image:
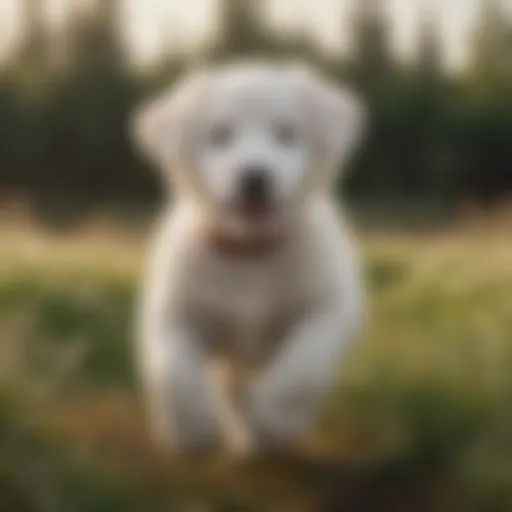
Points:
[(344, 122), (162, 126), (338, 117)]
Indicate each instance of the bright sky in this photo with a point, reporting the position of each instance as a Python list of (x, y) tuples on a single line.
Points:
[(152, 25)]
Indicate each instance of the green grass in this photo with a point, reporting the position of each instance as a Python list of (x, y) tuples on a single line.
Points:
[(421, 418)]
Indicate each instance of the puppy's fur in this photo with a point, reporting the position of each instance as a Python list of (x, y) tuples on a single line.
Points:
[(245, 320)]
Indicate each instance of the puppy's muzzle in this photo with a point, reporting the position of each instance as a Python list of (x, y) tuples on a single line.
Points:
[(255, 194), (255, 186)]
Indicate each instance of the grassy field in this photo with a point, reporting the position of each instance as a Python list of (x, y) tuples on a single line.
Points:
[(421, 418)]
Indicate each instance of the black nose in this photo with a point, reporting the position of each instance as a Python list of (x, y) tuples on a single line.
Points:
[(254, 185)]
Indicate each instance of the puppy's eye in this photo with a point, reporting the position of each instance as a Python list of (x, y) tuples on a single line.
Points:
[(286, 134), (220, 135)]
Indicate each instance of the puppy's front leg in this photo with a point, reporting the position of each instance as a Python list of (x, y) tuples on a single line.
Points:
[(228, 384), (181, 405), (287, 396)]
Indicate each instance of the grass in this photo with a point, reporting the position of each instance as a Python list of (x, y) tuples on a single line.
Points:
[(420, 419)]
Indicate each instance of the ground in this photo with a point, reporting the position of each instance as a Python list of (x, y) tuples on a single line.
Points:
[(419, 420)]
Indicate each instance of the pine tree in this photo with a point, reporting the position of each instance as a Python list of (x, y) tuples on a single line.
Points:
[(372, 54), (430, 55), (491, 52), (34, 48), (96, 39), (241, 27)]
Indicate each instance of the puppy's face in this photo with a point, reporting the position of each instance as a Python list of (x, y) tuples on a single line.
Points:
[(253, 148), (252, 142)]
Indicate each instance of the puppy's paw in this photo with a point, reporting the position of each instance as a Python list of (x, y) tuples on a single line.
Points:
[(280, 418), (240, 442), (195, 446)]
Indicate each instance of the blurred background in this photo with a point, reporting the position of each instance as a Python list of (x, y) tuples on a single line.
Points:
[(421, 418)]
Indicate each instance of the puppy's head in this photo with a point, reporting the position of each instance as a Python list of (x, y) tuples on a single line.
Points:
[(251, 142)]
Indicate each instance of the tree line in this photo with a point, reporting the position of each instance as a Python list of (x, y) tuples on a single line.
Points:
[(64, 116)]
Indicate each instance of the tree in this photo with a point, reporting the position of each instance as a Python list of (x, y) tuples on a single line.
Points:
[(34, 48), (372, 58), (96, 39), (492, 60), (241, 27), (430, 52)]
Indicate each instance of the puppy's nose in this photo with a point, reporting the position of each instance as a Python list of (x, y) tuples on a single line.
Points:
[(255, 185)]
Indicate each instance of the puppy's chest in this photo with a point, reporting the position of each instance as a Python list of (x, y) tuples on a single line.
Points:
[(241, 310), (245, 295)]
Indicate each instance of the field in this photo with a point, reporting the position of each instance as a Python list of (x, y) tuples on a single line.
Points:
[(421, 418)]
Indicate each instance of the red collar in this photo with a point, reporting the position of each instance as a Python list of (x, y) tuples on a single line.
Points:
[(252, 247)]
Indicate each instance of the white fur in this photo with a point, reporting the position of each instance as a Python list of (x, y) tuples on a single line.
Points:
[(196, 297)]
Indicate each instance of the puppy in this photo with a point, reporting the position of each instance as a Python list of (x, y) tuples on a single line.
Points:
[(253, 294)]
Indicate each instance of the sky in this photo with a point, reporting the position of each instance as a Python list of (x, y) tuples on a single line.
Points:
[(150, 25)]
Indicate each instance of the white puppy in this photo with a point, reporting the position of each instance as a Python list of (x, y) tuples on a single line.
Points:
[(252, 268)]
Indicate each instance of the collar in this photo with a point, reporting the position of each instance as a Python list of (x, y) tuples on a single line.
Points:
[(250, 247)]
